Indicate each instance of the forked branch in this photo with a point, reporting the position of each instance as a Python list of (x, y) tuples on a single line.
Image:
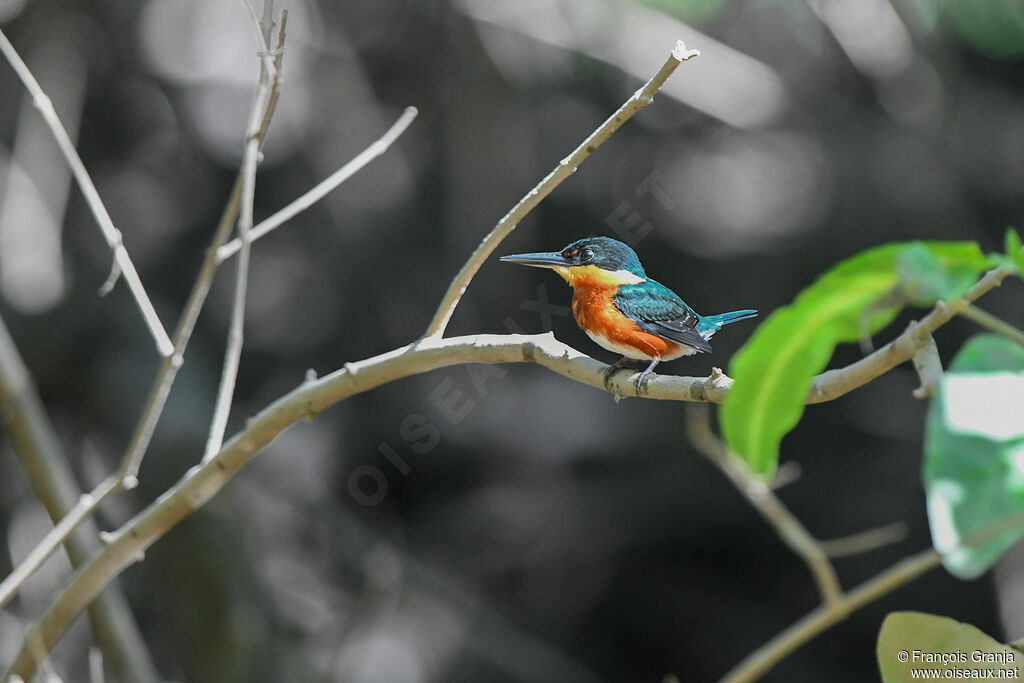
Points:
[(640, 99), (122, 262)]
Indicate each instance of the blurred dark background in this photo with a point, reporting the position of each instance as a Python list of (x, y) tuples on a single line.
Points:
[(540, 531)]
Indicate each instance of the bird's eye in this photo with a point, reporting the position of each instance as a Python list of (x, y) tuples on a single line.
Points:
[(586, 255)]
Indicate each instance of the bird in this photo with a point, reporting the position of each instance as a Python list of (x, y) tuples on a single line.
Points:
[(625, 311)]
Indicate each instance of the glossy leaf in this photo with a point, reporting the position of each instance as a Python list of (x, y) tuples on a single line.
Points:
[(974, 453), (1015, 250), (858, 297), (914, 640)]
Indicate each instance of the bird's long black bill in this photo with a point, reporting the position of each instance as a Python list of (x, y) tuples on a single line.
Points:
[(550, 259)]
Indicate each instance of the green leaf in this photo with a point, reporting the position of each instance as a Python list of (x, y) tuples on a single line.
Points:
[(974, 453), (1014, 250), (858, 297), (914, 640)]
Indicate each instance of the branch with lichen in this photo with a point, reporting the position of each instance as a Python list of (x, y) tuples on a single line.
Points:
[(203, 482)]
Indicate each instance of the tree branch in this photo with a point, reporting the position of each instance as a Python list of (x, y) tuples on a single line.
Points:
[(929, 368), (126, 475), (790, 529), (991, 322), (325, 187), (832, 384), (640, 99), (262, 105), (46, 467), (761, 660), (202, 482), (122, 261), (432, 353)]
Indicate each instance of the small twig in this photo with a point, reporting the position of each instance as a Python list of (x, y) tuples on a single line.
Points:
[(46, 467), (790, 529), (126, 475), (991, 322), (785, 474), (545, 350), (831, 384), (96, 666), (92, 197), (865, 541), (640, 99), (325, 186), (202, 482), (929, 368), (278, 78), (761, 660), (233, 352), (86, 505)]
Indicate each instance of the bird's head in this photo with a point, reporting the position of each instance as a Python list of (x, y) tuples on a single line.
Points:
[(589, 261)]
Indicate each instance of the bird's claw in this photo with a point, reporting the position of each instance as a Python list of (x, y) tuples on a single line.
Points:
[(609, 371), (608, 378)]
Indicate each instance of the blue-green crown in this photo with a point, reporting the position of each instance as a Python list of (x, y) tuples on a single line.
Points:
[(605, 253)]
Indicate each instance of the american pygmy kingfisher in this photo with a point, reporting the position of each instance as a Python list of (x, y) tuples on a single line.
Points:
[(625, 311)]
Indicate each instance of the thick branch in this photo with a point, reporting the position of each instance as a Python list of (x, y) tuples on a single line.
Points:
[(640, 99), (202, 482), (123, 262), (832, 384), (547, 351), (35, 442)]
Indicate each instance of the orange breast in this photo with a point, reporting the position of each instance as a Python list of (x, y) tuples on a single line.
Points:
[(595, 312)]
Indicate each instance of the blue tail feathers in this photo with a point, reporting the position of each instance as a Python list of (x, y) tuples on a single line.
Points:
[(709, 324)]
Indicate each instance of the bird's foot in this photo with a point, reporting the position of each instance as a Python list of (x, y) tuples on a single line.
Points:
[(641, 381), (610, 370)]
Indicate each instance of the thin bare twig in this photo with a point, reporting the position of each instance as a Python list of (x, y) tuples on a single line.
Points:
[(865, 541), (203, 482), (127, 473), (929, 368), (547, 351), (325, 186), (233, 352), (991, 322), (86, 505), (790, 529), (834, 383), (761, 660), (122, 261), (46, 466), (640, 99)]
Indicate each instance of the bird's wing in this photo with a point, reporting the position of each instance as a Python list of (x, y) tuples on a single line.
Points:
[(656, 309)]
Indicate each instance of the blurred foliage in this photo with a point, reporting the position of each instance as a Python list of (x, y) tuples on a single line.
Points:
[(1014, 251), (993, 27), (915, 635), (689, 10), (551, 534), (858, 297), (974, 454)]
